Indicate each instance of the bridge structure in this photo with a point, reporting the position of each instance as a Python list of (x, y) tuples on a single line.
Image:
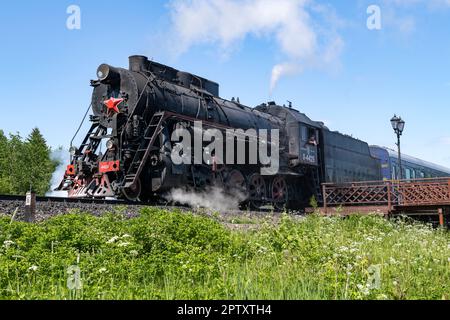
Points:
[(421, 197)]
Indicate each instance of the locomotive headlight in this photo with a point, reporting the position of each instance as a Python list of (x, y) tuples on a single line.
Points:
[(73, 151), (110, 144)]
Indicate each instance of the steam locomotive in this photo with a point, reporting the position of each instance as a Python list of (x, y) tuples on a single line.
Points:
[(127, 153)]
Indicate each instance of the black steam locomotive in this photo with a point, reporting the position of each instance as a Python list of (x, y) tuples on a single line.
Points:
[(137, 111)]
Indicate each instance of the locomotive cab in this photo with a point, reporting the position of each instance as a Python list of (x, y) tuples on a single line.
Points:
[(309, 143), (303, 135)]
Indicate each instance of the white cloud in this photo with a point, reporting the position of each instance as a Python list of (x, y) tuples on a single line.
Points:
[(289, 23)]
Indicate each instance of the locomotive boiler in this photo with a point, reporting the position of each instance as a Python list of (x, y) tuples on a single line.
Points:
[(127, 153)]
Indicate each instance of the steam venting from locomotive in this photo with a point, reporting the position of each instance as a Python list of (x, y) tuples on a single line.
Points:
[(213, 198), (61, 157)]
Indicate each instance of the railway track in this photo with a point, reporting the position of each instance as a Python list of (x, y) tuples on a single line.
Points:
[(68, 200), (47, 207)]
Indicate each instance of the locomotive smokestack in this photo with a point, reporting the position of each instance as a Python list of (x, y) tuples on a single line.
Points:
[(138, 63), (107, 74)]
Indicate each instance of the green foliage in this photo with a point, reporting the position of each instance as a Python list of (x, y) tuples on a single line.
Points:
[(24, 163), (313, 203), (174, 255)]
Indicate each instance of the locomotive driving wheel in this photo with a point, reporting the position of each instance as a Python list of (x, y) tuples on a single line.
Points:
[(133, 193), (257, 191), (280, 193)]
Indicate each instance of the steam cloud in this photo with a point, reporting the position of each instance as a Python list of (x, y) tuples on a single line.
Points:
[(63, 157), (213, 198), (289, 23)]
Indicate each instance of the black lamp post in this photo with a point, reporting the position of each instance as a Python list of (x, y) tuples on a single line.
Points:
[(398, 125)]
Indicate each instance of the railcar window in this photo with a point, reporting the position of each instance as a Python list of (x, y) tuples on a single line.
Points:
[(304, 133), (408, 174), (312, 134)]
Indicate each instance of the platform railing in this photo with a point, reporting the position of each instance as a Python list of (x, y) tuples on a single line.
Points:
[(417, 192)]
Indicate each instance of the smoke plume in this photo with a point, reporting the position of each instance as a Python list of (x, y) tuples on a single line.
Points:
[(281, 70)]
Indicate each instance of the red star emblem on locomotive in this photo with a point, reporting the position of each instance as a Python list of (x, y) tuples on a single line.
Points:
[(113, 104)]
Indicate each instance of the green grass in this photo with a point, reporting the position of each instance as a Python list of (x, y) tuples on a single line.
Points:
[(173, 255)]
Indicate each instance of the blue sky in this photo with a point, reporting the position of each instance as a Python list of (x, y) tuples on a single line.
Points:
[(341, 72)]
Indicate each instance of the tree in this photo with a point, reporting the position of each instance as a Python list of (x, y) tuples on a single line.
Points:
[(25, 164), (38, 163), (5, 185)]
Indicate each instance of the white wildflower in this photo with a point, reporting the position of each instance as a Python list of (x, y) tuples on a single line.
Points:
[(392, 260), (134, 253), (113, 239), (124, 244), (8, 243), (33, 268), (364, 289)]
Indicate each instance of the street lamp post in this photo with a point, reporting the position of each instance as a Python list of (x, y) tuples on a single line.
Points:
[(398, 125)]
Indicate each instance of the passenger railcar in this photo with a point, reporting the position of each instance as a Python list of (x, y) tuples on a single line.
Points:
[(413, 168)]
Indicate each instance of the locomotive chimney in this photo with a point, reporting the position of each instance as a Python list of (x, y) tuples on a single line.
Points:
[(107, 74), (138, 63)]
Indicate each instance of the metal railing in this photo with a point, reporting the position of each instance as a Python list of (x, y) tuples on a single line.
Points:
[(419, 192)]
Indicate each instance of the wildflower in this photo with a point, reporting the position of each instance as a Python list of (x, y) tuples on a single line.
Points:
[(33, 268), (8, 243), (123, 244), (113, 239), (395, 283), (364, 289), (134, 253)]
